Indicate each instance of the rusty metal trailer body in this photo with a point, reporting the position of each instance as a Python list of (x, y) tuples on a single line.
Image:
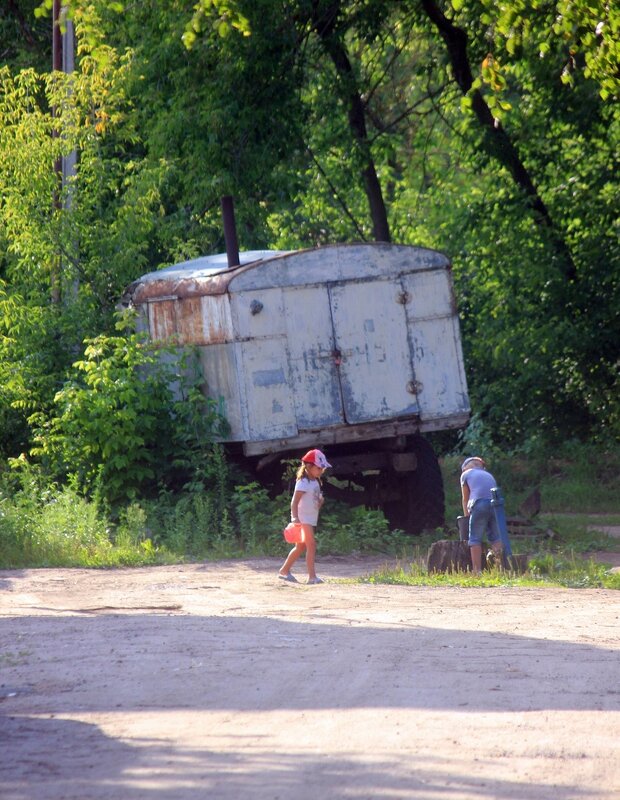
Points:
[(352, 348)]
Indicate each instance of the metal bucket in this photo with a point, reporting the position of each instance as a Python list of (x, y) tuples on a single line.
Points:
[(463, 526)]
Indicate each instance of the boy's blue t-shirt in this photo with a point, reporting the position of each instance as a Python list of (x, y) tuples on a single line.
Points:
[(480, 483)]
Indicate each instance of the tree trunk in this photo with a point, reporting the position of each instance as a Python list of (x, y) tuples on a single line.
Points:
[(23, 24), (323, 21), (497, 141)]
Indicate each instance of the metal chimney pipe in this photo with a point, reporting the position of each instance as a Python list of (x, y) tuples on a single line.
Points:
[(230, 231)]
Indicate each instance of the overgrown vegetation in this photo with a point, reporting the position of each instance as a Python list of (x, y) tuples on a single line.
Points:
[(43, 525), (579, 487), (477, 128), (547, 570)]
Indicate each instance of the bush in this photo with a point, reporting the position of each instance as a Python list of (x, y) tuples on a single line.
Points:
[(128, 421), (223, 515)]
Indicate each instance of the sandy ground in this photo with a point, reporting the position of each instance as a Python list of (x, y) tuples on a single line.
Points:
[(218, 681)]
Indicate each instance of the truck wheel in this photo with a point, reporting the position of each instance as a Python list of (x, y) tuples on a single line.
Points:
[(421, 503), (272, 478)]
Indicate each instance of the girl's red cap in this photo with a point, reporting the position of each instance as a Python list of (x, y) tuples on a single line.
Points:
[(317, 458)]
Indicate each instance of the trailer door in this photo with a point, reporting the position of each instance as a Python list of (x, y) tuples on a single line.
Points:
[(375, 365), (313, 364)]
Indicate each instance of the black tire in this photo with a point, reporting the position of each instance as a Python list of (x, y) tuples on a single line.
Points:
[(421, 502)]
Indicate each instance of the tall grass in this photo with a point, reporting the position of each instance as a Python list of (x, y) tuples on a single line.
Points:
[(43, 525), (546, 570)]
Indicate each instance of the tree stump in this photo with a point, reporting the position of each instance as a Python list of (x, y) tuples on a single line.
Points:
[(449, 555), (452, 555)]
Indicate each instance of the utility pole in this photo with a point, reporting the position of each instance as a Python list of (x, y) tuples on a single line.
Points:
[(56, 67), (63, 60)]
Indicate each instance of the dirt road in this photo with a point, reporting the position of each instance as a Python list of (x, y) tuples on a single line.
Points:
[(218, 681)]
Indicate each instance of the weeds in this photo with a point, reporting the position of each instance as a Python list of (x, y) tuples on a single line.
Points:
[(228, 516), (547, 570)]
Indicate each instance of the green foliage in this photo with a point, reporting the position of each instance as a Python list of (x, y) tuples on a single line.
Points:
[(162, 132), (42, 525), (69, 249), (347, 530), (260, 520), (118, 427), (26, 41), (98, 222), (197, 421), (209, 114), (192, 525), (224, 17), (546, 572), (587, 31), (112, 421)]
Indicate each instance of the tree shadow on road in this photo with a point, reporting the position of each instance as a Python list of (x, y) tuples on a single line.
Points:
[(61, 759), (104, 662), (157, 661)]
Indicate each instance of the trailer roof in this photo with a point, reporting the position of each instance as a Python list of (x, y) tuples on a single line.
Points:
[(206, 266), (211, 275)]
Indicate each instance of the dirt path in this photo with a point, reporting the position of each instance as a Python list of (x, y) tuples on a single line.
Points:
[(218, 682)]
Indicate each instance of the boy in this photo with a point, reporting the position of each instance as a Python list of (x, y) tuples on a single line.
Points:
[(476, 485)]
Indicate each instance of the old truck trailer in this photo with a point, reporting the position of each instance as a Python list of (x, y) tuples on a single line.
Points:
[(354, 349)]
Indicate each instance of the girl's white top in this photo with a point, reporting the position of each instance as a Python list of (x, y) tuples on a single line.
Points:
[(309, 503)]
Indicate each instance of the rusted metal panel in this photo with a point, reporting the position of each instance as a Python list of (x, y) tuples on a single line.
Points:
[(188, 322), (162, 320), (216, 324), (191, 320)]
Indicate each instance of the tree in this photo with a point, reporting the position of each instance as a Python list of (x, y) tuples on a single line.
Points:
[(495, 138), (587, 33), (465, 126), (329, 24), (102, 237), (25, 41)]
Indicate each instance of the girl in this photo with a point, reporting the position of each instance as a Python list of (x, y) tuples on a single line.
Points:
[(305, 505)]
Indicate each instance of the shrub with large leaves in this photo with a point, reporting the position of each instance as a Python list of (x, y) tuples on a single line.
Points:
[(124, 420)]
